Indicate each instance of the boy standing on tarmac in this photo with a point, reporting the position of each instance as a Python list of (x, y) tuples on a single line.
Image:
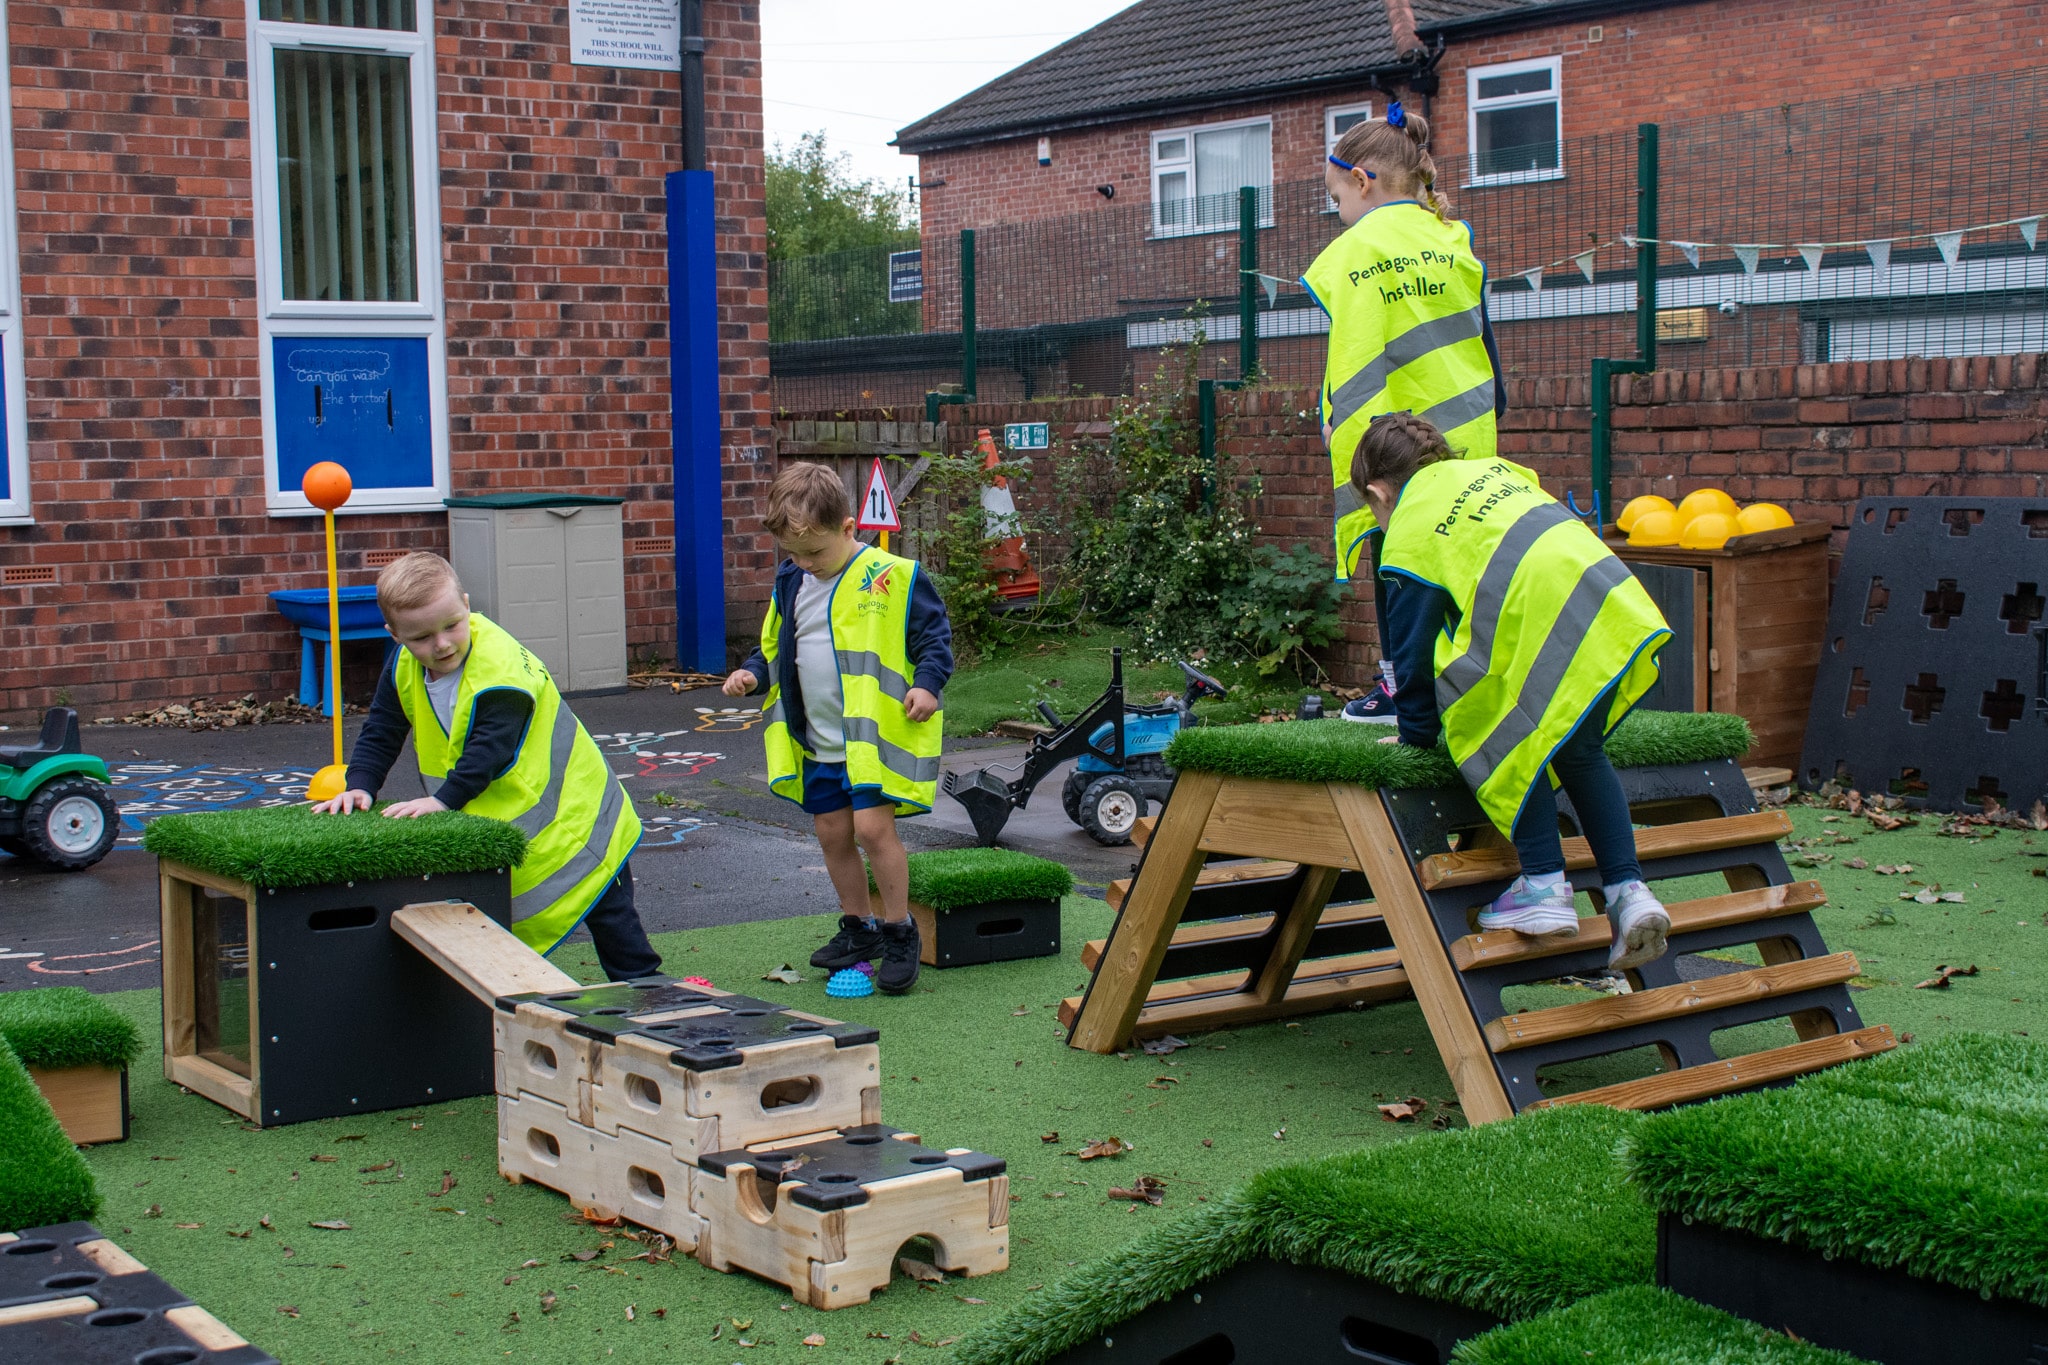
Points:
[(854, 653)]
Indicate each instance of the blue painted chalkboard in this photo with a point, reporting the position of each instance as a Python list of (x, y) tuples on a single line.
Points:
[(359, 401)]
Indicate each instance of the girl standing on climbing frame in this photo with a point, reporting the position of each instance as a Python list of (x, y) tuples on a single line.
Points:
[(1406, 297)]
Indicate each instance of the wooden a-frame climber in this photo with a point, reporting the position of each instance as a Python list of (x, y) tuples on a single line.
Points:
[(1327, 892)]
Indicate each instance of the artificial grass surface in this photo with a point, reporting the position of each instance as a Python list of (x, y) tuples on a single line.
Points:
[(1340, 751), (1640, 1325), (945, 878), (1511, 1219), (288, 846), (60, 1026), (1929, 1161), (43, 1179)]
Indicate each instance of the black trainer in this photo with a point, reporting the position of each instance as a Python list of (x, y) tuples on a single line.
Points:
[(900, 948), (1375, 707), (857, 941)]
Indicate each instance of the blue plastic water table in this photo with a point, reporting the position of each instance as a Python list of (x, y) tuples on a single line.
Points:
[(306, 608)]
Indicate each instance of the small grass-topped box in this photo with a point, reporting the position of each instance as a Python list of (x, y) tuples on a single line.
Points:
[(287, 996), (77, 1047), (983, 905)]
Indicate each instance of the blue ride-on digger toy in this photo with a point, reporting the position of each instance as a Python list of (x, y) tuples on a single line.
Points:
[(1122, 761), (55, 806)]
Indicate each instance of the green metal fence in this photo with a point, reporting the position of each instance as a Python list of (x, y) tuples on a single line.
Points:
[(1898, 222)]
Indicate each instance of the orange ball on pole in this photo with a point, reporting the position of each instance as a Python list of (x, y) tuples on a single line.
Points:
[(327, 485)]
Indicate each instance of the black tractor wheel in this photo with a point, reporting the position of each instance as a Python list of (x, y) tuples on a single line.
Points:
[(1109, 808), (70, 823), (1070, 793)]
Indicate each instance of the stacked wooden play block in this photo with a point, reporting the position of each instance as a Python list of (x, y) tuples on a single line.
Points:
[(746, 1132)]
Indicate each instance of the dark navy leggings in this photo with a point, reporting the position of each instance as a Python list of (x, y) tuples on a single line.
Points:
[(1589, 779)]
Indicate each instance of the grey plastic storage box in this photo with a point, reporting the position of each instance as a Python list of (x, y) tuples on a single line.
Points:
[(550, 568)]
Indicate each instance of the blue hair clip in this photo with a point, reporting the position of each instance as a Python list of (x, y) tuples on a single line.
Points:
[(1343, 165), (1397, 117)]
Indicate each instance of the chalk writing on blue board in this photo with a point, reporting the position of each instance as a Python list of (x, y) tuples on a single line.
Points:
[(328, 365)]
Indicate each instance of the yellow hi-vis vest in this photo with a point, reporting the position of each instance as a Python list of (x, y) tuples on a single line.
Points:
[(870, 618), (1405, 297), (580, 824), (1548, 619)]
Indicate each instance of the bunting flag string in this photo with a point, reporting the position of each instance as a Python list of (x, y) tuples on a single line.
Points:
[(1811, 255)]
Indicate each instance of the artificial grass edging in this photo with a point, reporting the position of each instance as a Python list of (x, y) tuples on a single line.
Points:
[(43, 1180), (1640, 1325), (65, 1026), (947, 878), (280, 847), (1928, 1160), (1511, 1219), (1342, 751)]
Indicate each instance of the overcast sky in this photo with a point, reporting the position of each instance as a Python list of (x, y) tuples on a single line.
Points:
[(860, 69)]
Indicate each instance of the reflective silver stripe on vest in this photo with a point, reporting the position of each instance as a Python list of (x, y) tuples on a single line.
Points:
[(582, 862), (1553, 661), (1418, 341), (1348, 500), (900, 761), (774, 714), (863, 663), (1463, 673), (561, 748), (1453, 413)]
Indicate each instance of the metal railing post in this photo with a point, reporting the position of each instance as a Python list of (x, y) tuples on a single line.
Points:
[(1604, 369), (1247, 282), (967, 353)]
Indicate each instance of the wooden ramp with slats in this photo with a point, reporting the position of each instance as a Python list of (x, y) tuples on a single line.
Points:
[(1258, 899)]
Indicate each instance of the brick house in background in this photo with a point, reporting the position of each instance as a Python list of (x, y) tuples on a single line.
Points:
[(193, 181)]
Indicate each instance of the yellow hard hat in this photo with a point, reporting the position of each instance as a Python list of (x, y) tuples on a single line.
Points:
[(1707, 531), (1761, 516), (1703, 500), (1638, 507), (1654, 527)]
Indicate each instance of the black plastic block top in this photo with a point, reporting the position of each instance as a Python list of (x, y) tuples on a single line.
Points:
[(646, 995), (45, 1264), (835, 1173), (116, 1336), (705, 1043)]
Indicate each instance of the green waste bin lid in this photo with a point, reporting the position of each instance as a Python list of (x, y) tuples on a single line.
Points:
[(502, 501)]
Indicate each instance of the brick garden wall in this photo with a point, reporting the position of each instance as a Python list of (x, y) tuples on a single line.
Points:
[(133, 157)]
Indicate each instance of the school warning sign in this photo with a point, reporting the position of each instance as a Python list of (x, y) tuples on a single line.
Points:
[(634, 33)]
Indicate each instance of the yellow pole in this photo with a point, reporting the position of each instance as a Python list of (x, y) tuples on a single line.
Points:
[(885, 542), (327, 486), (334, 638)]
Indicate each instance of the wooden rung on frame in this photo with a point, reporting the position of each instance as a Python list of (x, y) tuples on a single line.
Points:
[(1611, 1012), (1709, 912), (1442, 871)]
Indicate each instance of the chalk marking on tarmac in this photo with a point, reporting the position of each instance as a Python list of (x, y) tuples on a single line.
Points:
[(110, 967)]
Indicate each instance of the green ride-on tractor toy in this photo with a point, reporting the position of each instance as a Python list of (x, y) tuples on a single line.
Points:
[(55, 806)]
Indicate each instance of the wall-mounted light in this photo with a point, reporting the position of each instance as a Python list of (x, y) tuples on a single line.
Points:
[(1106, 191), (1045, 151)]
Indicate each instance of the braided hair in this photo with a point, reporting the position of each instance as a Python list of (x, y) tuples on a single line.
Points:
[(1398, 152), (1395, 446)]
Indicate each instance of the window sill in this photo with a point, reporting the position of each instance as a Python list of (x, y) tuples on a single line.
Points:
[(1481, 182), (299, 507), (1158, 234)]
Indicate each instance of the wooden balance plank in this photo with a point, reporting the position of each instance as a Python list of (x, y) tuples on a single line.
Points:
[(1215, 874), (1503, 946), (1735, 1073), (485, 958), (1666, 1002), (1246, 927), (1445, 870), (1225, 998)]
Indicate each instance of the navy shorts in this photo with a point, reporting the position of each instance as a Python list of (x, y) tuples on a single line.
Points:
[(827, 789)]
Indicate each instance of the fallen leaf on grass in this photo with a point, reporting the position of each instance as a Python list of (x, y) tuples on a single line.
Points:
[(1888, 822), (547, 1300), (447, 1181), (1159, 1047), (584, 1255), (244, 1234), (815, 1339), (264, 1223), (1109, 1146), (352, 1137), (1858, 863), (1049, 1137), (786, 974), (189, 1226), (322, 1156), (1943, 975), (1162, 1082), (1403, 1109), (1146, 1189), (153, 1211), (1889, 870), (924, 1272), (331, 1225), (1208, 1142), (964, 1298), (1280, 1135), (380, 1166), (290, 1310)]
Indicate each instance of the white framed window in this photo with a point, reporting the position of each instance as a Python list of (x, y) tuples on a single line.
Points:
[(1515, 122), (353, 357), (1337, 121), (15, 504), (1197, 172)]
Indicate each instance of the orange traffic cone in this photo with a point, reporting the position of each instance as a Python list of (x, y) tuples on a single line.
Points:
[(1015, 578)]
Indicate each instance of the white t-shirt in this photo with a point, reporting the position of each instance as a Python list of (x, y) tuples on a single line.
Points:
[(817, 669), (441, 693)]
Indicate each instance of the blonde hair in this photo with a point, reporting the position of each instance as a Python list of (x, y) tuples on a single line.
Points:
[(806, 497), (412, 581), (1395, 445), (1400, 156)]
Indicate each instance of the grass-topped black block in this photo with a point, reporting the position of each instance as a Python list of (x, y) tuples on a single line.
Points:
[(1641, 1326), (1341, 751), (1893, 1209), (77, 1047), (984, 905), (42, 1178), (287, 996), (1399, 1250)]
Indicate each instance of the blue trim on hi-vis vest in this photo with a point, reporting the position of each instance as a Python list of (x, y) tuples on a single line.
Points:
[(1388, 571), (1352, 552), (1612, 719), (598, 897), (1302, 280)]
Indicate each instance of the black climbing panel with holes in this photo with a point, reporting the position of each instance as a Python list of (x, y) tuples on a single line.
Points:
[(1933, 680)]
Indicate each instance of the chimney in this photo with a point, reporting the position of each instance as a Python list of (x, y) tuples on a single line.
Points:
[(1401, 23)]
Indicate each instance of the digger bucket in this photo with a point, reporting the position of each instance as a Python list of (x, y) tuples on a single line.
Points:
[(988, 801)]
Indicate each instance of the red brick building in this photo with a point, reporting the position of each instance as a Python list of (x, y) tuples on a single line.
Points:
[(219, 212)]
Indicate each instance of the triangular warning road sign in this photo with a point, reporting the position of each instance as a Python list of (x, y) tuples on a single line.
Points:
[(878, 505)]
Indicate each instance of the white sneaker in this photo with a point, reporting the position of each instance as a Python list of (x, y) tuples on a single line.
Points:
[(1640, 923), (1532, 909)]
